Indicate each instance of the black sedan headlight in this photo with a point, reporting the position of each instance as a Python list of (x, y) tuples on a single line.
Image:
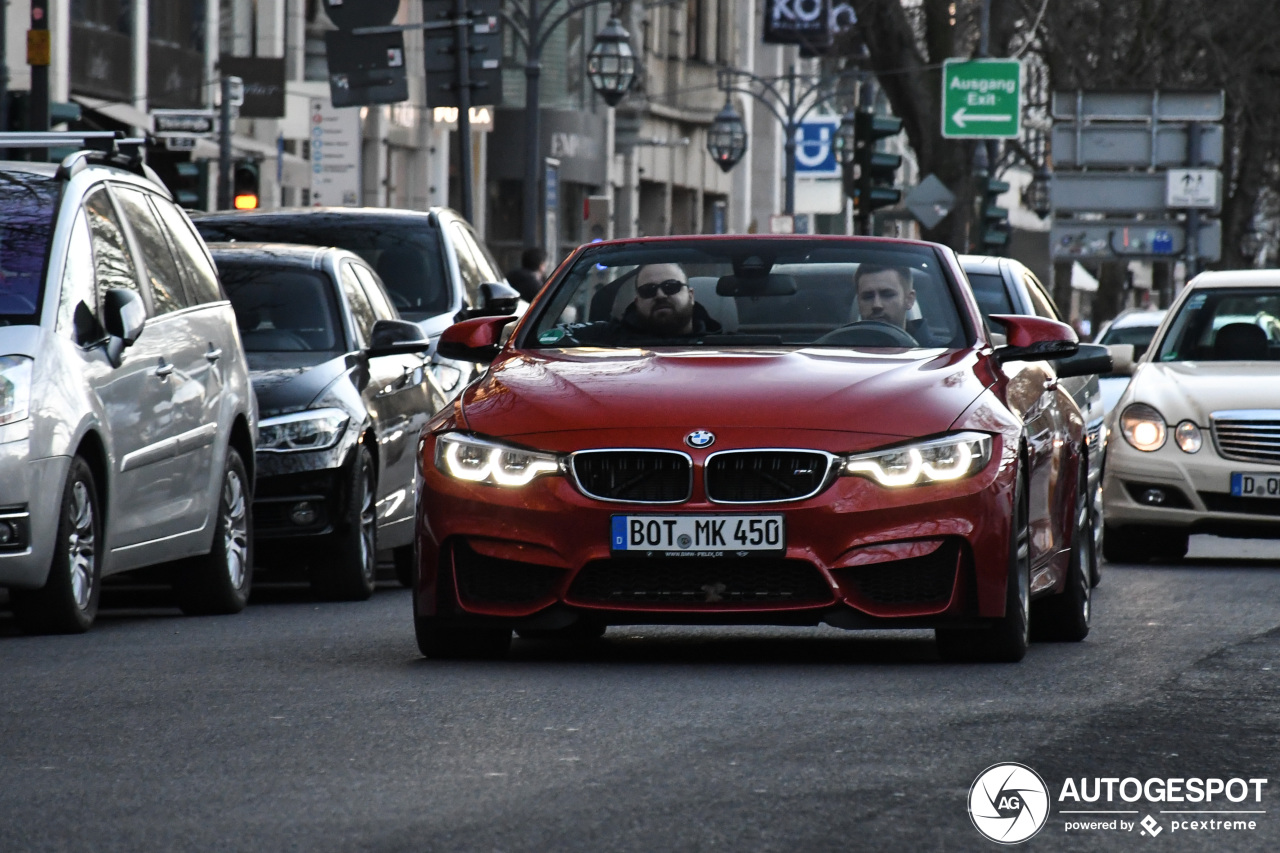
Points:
[(937, 460), (480, 460), (314, 429)]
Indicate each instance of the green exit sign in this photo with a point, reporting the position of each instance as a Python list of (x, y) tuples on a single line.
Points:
[(981, 98)]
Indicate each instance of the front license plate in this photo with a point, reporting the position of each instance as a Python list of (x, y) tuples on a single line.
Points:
[(698, 535), (1255, 484)]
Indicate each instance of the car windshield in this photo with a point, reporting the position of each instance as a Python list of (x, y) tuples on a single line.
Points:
[(404, 251), (1139, 336), (29, 202), (282, 310), (1225, 325), (752, 292)]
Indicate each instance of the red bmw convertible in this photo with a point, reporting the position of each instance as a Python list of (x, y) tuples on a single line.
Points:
[(757, 430)]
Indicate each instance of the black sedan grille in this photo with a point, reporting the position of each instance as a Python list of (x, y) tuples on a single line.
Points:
[(700, 581), (1248, 439), (634, 476), (763, 476)]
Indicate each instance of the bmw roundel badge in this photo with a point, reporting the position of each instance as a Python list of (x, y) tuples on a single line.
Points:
[(700, 438)]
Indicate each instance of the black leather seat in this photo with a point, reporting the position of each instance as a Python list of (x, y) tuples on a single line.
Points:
[(1240, 342)]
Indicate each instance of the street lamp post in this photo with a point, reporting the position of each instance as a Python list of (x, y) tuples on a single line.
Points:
[(790, 98), (611, 68)]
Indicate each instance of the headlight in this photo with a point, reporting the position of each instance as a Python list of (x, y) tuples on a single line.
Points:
[(478, 460), (937, 461), (1143, 427), (15, 388), (314, 429), (1188, 437)]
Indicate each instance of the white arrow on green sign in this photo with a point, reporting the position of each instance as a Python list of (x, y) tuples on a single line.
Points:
[(981, 98)]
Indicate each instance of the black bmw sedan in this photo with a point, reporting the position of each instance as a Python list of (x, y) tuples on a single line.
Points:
[(343, 391)]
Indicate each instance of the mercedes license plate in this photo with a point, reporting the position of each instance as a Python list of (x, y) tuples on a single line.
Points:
[(698, 535), (1255, 484)]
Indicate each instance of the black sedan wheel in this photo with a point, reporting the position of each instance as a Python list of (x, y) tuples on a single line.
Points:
[(345, 568), (68, 602)]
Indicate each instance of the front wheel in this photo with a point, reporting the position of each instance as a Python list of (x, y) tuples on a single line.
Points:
[(68, 601), (1005, 641), (346, 566), (219, 582)]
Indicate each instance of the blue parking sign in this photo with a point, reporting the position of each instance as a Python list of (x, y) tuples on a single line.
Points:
[(815, 147)]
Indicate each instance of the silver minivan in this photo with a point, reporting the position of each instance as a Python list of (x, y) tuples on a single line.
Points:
[(127, 422)]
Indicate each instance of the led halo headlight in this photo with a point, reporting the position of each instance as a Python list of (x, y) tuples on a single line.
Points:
[(1188, 437), (938, 460), (313, 429), (15, 388), (479, 460), (1143, 427)]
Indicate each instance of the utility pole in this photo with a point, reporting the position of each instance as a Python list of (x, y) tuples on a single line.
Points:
[(1193, 214), (224, 146), (462, 59)]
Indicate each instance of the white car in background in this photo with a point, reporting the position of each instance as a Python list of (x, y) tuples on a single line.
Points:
[(1134, 327), (1195, 442)]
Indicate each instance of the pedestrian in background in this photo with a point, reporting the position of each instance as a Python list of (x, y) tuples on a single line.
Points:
[(528, 277)]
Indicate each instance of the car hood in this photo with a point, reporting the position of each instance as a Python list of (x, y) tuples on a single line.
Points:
[(291, 382), (1194, 389), (910, 394)]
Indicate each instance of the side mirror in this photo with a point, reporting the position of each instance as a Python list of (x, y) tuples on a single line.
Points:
[(1088, 360), (123, 314), (495, 299), (397, 337), (473, 340), (1034, 339), (1122, 359)]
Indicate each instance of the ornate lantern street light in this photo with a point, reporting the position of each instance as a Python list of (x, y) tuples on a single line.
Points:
[(611, 65), (727, 138)]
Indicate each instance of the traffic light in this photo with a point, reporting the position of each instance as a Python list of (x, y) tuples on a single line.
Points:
[(191, 187), (877, 170), (993, 220), (245, 183)]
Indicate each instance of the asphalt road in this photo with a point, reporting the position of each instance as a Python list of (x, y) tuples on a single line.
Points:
[(315, 727)]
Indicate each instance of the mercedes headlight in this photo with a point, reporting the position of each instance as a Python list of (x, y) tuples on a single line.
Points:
[(478, 460), (938, 460), (314, 429), (15, 388), (1143, 427)]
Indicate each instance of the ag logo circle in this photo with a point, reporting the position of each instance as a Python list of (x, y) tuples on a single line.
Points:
[(1008, 803), (700, 438)]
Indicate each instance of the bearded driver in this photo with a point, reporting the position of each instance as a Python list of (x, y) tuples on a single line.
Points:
[(663, 307)]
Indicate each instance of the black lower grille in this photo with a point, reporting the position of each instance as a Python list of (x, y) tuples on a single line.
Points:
[(1218, 502), (765, 475), (918, 580), (700, 581), (637, 476), (272, 516), (482, 578)]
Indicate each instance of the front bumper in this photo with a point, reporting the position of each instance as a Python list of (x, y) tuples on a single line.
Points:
[(857, 555), (287, 485), (1187, 491), (30, 502)]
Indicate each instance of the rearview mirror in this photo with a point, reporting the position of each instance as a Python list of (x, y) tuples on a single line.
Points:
[(495, 299), (397, 337), (123, 314), (1122, 359), (1088, 360), (773, 284), (1034, 339), (473, 340)]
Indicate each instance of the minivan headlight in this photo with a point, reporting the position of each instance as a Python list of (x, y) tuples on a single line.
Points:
[(1143, 427), (478, 460), (938, 460), (15, 388), (314, 429)]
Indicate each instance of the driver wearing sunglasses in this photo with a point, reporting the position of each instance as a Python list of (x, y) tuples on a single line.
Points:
[(664, 304)]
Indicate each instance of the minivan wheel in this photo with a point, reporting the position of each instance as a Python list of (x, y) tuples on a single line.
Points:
[(219, 582), (68, 601), (345, 568)]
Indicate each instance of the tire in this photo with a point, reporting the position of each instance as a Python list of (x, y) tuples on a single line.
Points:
[(406, 561), (68, 601), (1096, 524), (219, 582), (346, 566), (1144, 544), (1007, 639), (1064, 618)]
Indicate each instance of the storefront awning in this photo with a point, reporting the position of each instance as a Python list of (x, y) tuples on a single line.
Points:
[(116, 111)]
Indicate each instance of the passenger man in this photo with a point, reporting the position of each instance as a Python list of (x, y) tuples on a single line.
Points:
[(884, 293)]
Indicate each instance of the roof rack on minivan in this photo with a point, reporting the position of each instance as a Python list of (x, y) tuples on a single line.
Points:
[(108, 147)]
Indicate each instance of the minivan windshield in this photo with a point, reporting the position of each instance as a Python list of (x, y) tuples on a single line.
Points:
[(29, 202), (752, 292), (405, 251)]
